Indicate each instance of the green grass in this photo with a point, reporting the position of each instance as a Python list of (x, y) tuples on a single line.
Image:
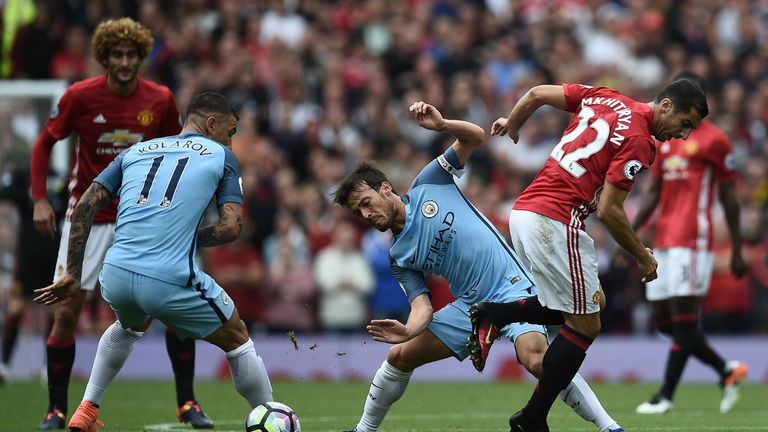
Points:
[(425, 407)]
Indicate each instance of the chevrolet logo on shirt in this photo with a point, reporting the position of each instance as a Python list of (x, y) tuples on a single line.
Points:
[(120, 137)]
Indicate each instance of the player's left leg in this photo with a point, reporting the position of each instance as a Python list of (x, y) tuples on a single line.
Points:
[(392, 378), (688, 334), (530, 348), (182, 356)]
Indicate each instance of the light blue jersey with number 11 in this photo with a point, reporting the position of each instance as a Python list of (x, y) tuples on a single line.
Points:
[(165, 186)]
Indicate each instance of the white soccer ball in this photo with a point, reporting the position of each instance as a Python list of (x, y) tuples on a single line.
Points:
[(272, 417)]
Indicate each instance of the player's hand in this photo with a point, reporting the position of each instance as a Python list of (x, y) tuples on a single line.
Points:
[(427, 116), (499, 127), (67, 286), (388, 330), (739, 267), (44, 218), (648, 266)]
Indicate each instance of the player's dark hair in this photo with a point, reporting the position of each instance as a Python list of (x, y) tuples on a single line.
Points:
[(693, 77), (210, 103), (365, 173), (685, 94)]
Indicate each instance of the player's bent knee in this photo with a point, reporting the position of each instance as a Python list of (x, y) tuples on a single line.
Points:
[(399, 358)]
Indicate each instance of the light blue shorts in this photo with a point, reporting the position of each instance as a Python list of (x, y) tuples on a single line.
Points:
[(452, 326), (193, 311)]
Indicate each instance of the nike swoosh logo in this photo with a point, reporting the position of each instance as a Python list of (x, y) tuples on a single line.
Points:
[(488, 335), (371, 396), (412, 260)]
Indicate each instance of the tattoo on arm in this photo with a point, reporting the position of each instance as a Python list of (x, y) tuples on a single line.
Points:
[(222, 231), (96, 197)]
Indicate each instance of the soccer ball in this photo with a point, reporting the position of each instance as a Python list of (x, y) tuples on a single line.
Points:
[(272, 417)]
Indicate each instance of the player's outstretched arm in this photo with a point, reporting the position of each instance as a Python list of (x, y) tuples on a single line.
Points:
[(95, 198), (43, 215), (468, 135), (610, 211), (394, 332), (648, 204), (533, 99), (227, 229), (727, 194)]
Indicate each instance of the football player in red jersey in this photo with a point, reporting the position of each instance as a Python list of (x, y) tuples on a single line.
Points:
[(592, 169), (109, 113), (683, 185)]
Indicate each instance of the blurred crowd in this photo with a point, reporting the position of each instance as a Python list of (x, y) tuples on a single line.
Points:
[(324, 84)]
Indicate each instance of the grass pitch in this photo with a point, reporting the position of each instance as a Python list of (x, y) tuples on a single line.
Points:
[(131, 406)]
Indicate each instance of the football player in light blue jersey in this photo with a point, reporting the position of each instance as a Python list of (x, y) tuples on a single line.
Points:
[(164, 186), (438, 231)]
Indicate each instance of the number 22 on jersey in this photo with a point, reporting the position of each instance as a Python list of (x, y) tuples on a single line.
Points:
[(570, 160)]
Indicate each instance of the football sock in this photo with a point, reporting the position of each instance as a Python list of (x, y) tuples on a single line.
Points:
[(249, 374), (676, 361), (527, 310), (387, 387), (182, 355), (580, 397), (114, 348), (692, 339), (10, 335), (61, 357), (561, 362)]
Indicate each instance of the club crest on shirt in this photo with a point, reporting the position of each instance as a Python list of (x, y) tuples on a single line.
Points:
[(145, 117), (224, 298), (632, 169), (429, 209), (691, 147)]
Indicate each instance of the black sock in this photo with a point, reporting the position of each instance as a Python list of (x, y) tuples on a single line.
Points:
[(561, 362), (61, 357), (666, 328), (676, 361), (10, 336), (524, 310), (692, 339), (182, 355)]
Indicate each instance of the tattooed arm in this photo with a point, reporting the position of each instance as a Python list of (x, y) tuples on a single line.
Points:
[(96, 197), (227, 229)]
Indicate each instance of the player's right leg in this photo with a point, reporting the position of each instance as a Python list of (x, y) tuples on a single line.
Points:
[(60, 350), (661, 402), (391, 379), (61, 341)]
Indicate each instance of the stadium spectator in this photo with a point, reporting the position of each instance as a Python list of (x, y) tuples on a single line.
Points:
[(293, 292), (109, 113), (345, 282)]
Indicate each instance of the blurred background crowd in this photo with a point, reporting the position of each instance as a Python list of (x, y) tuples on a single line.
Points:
[(324, 84)]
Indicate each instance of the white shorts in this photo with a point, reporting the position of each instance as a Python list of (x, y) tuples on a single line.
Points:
[(562, 259), (96, 248), (683, 272)]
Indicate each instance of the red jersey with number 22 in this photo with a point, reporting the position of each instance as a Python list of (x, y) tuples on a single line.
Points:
[(106, 125), (608, 139)]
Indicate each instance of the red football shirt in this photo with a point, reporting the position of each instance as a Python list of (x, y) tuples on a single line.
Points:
[(106, 124), (607, 139), (689, 170)]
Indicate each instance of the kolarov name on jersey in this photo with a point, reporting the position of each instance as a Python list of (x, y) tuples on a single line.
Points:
[(203, 150)]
